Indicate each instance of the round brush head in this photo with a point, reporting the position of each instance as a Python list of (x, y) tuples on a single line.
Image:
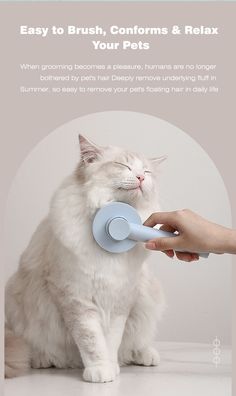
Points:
[(101, 224)]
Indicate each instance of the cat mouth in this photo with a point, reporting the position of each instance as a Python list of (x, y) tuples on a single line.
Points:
[(137, 188)]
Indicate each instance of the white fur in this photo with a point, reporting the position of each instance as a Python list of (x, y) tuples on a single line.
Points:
[(75, 304)]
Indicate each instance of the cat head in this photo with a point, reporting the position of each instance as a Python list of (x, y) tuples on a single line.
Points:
[(114, 174)]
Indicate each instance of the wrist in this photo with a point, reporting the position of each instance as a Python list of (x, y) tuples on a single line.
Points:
[(231, 246), (226, 241)]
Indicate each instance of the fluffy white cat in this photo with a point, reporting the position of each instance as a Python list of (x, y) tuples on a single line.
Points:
[(74, 304)]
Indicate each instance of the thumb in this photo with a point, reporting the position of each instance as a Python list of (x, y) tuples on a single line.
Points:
[(163, 244)]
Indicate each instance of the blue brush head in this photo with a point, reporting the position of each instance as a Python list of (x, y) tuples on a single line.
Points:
[(101, 221)]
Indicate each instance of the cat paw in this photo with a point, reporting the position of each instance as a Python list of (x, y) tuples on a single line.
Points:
[(103, 373), (147, 357)]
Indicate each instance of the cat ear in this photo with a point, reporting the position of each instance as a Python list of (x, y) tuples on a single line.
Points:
[(157, 161), (89, 151)]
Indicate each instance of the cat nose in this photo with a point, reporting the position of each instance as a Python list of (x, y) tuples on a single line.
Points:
[(140, 178)]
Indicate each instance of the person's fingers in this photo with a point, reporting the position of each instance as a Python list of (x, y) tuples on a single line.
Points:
[(169, 253), (163, 244), (160, 218), (168, 228), (185, 256)]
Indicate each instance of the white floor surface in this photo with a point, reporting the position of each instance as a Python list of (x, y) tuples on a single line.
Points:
[(185, 370)]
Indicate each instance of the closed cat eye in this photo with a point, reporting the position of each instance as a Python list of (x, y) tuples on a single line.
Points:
[(147, 171), (120, 163)]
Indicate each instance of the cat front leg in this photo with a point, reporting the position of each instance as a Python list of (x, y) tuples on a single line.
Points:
[(94, 350), (84, 324), (138, 341)]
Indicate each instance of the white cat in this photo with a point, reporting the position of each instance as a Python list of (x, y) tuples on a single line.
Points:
[(74, 304)]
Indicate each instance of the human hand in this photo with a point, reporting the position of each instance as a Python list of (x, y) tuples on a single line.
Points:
[(195, 235)]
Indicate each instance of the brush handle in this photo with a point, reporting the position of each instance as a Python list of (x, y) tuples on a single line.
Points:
[(143, 234), (120, 229)]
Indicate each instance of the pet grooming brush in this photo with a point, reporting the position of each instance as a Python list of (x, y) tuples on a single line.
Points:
[(117, 228)]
